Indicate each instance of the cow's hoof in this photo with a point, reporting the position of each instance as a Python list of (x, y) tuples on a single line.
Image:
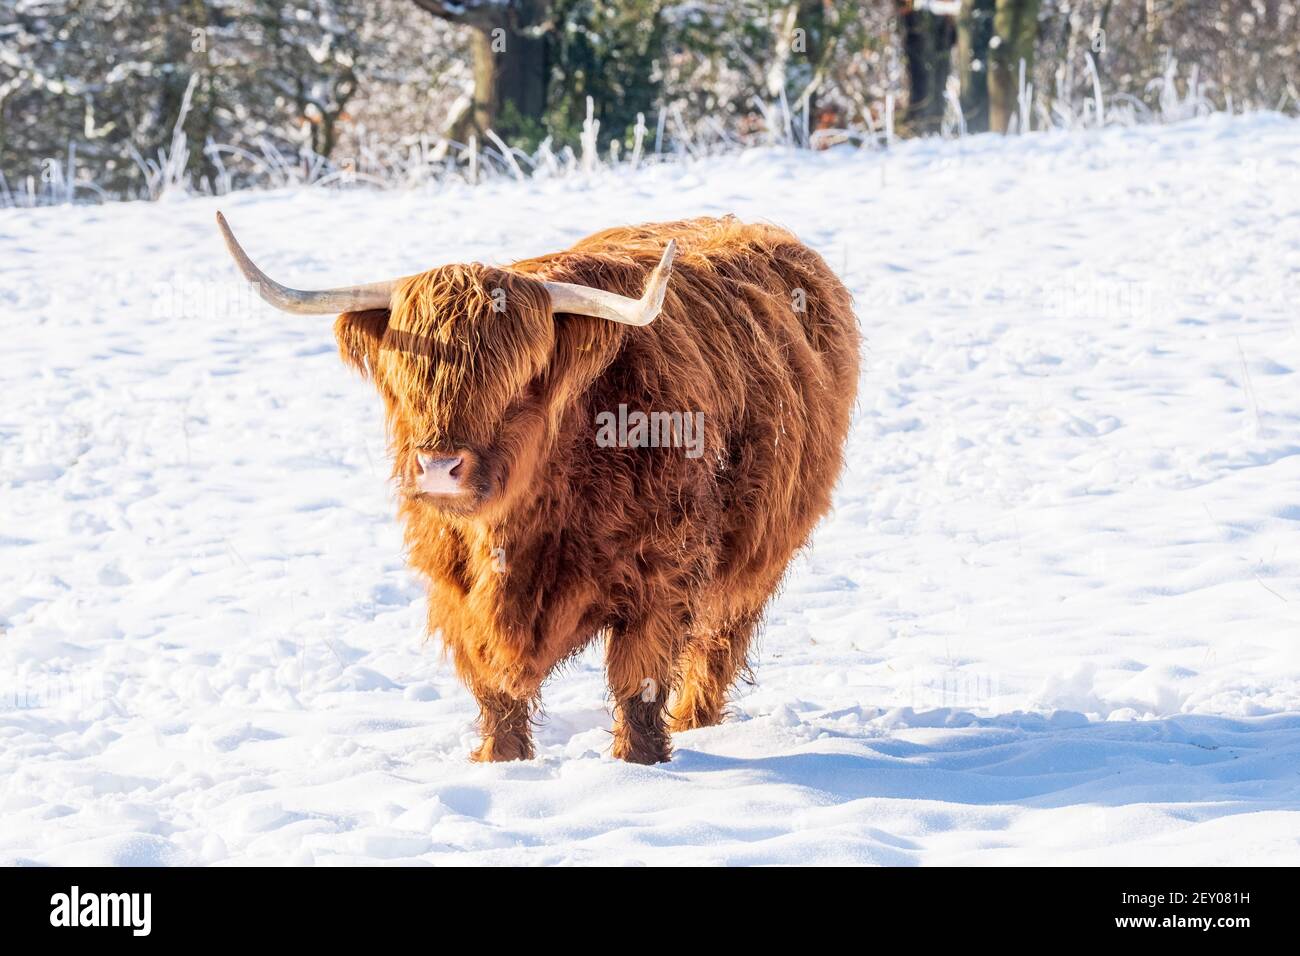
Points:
[(500, 749), (645, 753), (694, 720)]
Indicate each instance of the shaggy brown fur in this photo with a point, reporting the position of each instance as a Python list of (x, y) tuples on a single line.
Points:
[(669, 559)]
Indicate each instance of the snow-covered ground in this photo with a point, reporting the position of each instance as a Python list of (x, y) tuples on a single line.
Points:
[(1054, 618)]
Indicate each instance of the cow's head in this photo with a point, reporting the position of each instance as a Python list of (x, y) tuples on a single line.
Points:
[(474, 370)]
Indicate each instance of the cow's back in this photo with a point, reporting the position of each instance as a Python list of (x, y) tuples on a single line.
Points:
[(758, 334)]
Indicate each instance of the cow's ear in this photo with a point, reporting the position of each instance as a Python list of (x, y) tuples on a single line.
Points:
[(359, 335)]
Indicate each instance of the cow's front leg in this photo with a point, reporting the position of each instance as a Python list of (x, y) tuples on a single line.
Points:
[(640, 667), (505, 723)]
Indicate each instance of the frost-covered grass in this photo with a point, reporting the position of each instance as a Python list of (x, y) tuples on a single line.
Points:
[(426, 161), (1053, 617)]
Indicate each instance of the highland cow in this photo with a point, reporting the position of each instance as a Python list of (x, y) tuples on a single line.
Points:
[(535, 538)]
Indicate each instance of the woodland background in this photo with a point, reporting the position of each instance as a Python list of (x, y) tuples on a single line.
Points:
[(270, 92)]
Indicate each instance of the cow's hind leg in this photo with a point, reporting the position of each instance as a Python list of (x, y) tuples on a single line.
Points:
[(504, 722), (710, 665)]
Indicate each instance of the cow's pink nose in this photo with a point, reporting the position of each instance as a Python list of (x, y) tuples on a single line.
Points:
[(440, 476)]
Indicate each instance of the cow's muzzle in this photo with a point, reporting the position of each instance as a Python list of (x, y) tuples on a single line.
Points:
[(442, 474)]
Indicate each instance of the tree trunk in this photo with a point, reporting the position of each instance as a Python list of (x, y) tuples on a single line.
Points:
[(509, 70), (974, 30), (927, 48), (1015, 25), (802, 46), (818, 44), (508, 47)]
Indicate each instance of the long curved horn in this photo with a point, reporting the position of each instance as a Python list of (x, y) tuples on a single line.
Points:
[(356, 298), (584, 300)]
